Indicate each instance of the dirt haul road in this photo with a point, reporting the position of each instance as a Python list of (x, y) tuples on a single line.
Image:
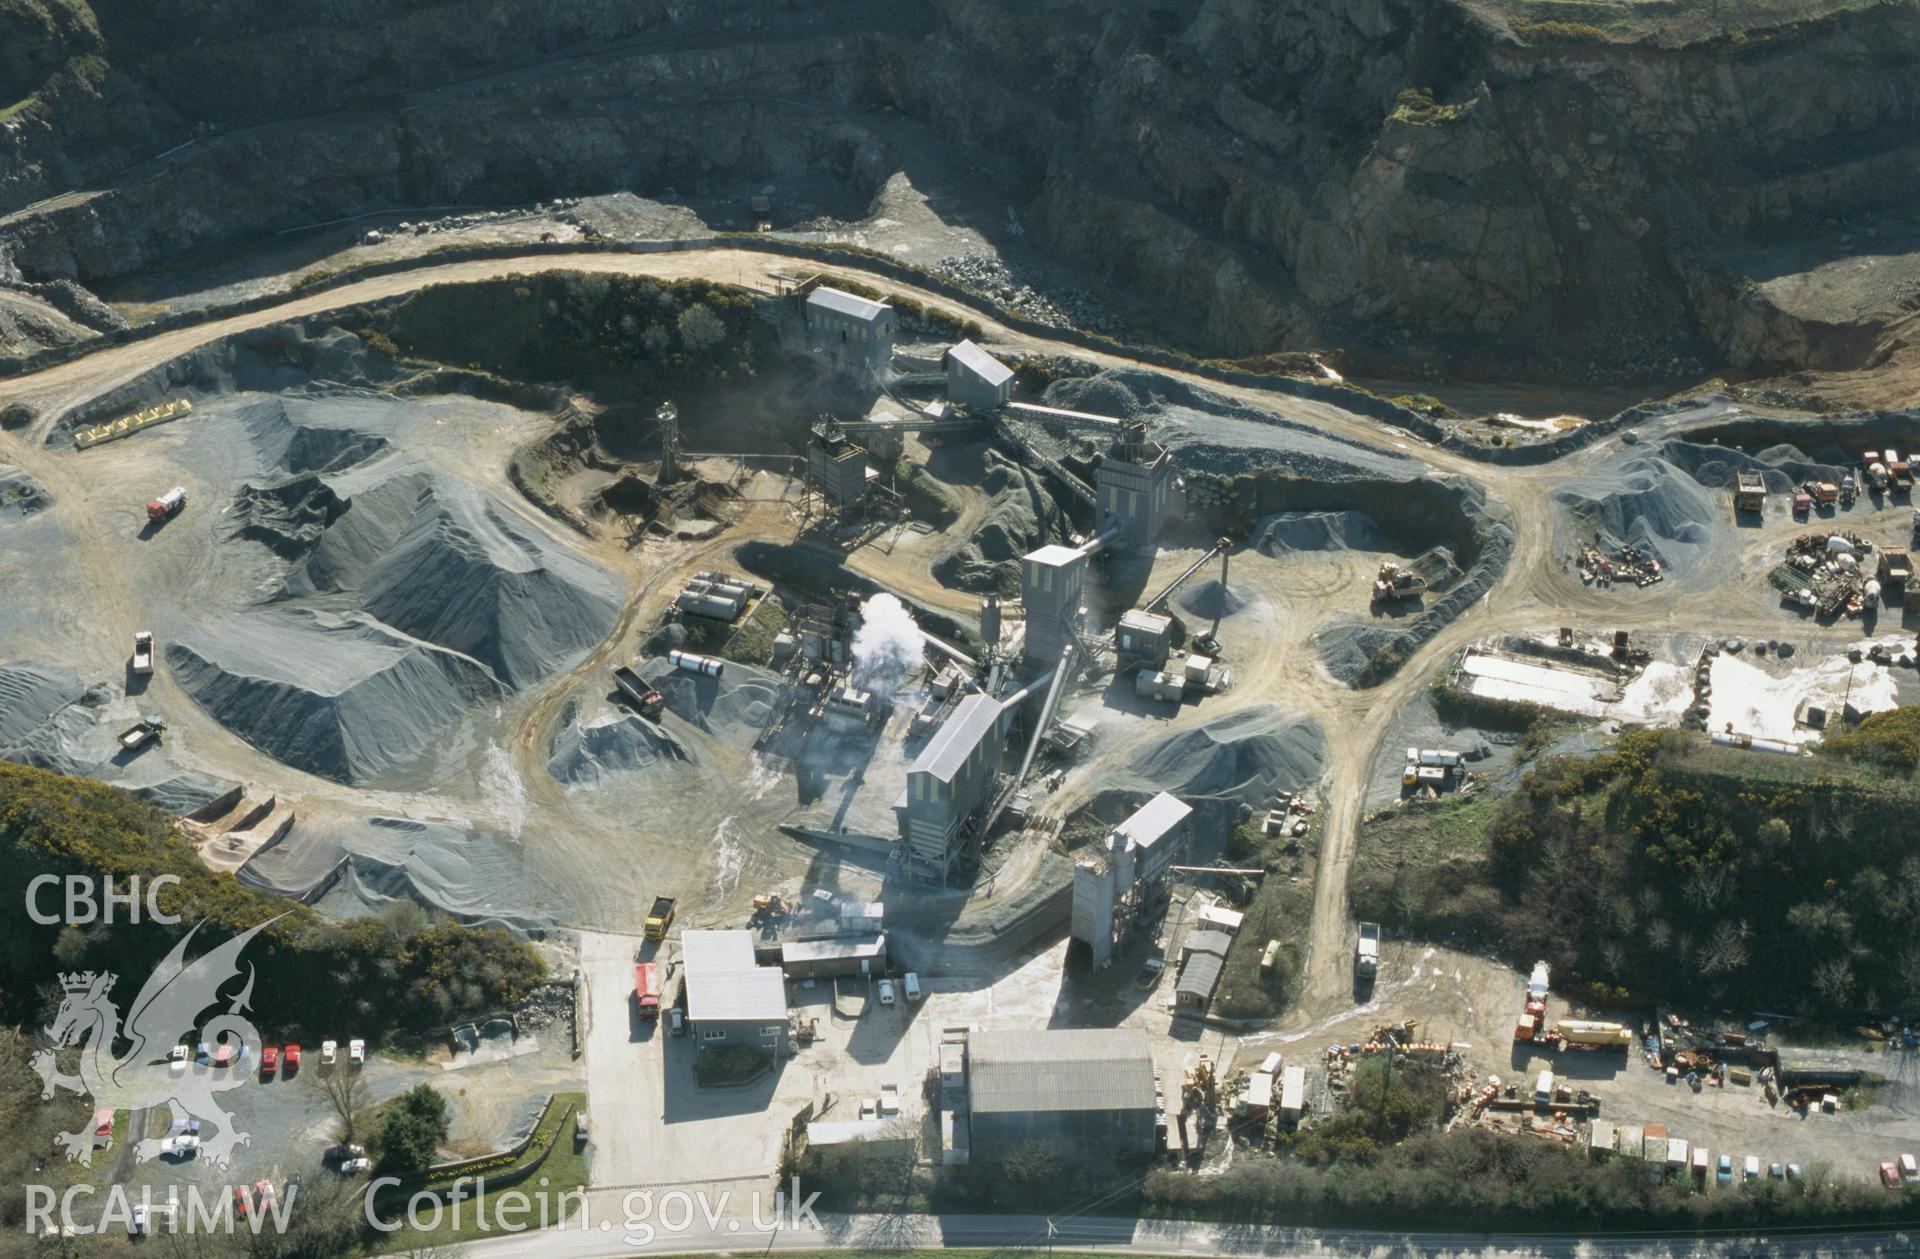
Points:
[(1534, 591)]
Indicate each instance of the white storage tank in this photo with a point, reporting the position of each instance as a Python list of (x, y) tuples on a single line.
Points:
[(705, 666)]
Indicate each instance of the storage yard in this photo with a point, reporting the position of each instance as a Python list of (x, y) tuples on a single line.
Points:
[(911, 749)]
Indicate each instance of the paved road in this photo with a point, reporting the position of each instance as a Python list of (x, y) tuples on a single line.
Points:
[(737, 1235)]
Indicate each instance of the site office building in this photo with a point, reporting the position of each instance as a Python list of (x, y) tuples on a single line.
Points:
[(732, 1000)]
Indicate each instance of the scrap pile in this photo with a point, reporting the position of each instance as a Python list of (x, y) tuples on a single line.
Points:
[(1625, 563), (1706, 1057), (1828, 573)]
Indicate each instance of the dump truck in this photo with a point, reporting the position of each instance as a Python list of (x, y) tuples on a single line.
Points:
[(1366, 954), (168, 505), (646, 990), (1826, 493), (1802, 503), (1587, 1034), (1896, 571), (1749, 492), (659, 918), (143, 652), (1900, 468), (644, 695), (141, 733)]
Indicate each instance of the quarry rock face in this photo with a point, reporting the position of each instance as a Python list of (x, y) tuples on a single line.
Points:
[(1404, 178)]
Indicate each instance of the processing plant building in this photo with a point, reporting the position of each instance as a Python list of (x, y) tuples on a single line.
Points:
[(1083, 1089)]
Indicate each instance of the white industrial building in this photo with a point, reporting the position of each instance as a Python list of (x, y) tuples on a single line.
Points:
[(976, 378), (948, 785), (731, 998), (1125, 878)]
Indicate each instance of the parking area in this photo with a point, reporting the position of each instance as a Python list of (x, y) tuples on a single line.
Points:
[(287, 1120)]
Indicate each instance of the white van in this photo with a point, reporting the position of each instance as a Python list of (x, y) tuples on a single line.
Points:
[(912, 985), (1543, 1089)]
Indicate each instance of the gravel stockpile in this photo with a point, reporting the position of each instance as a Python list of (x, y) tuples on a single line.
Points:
[(1651, 505), (424, 552), (1784, 467), (742, 698), (1210, 600), (583, 755), (1239, 760), (288, 356), (374, 511), (365, 864), (343, 697), (468, 576), (1283, 533), (20, 495), (1210, 433), (51, 720), (301, 435), (30, 694), (1021, 515)]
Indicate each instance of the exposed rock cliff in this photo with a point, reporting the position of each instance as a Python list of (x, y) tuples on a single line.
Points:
[(1424, 181)]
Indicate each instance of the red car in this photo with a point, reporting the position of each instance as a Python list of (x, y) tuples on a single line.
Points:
[(269, 1061), (292, 1059), (1890, 1174), (242, 1204)]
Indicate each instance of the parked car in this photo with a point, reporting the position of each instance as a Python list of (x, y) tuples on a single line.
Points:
[(242, 1203), (329, 1052), (355, 1166), (870, 1109), (263, 1194), (1751, 1171), (886, 992), (1776, 1172), (1890, 1174), (342, 1152), (292, 1059), (269, 1060), (1793, 1171), (181, 1057), (912, 985), (1724, 1172), (184, 1146), (1909, 1169), (356, 1053), (1149, 974), (676, 1020)]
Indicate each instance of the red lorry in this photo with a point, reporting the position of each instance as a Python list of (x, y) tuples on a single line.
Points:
[(168, 505), (646, 989)]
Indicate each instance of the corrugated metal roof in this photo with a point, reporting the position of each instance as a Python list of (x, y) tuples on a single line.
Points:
[(1067, 1070), (862, 946), (975, 718), (1200, 976), (847, 304), (1152, 821), (723, 982), (1207, 940), (981, 363)]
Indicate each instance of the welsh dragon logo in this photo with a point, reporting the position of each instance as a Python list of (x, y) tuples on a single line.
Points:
[(167, 1010)]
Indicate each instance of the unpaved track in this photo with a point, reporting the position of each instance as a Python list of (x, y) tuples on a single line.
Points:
[(1533, 592)]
